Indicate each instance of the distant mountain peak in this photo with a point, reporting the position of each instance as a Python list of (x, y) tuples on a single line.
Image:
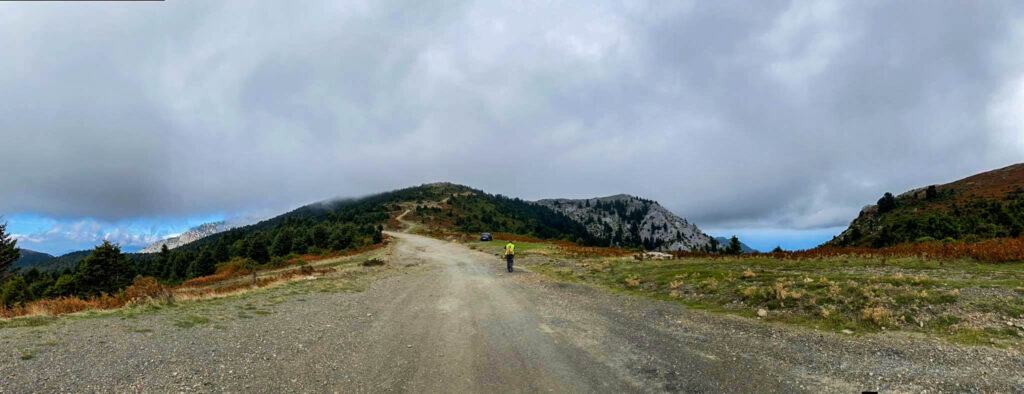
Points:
[(724, 242), (193, 234), (31, 258), (623, 215)]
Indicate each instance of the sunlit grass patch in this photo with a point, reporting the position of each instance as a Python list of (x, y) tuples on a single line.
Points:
[(31, 321), (835, 293)]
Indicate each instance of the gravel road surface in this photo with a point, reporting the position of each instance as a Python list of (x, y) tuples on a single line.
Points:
[(443, 318)]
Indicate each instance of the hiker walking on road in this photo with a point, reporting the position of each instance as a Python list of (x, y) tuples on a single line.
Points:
[(510, 252)]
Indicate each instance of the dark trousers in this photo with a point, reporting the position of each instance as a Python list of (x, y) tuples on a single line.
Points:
[(508, 258)]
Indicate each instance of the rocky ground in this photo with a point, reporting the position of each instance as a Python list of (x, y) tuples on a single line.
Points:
[(443, 318)]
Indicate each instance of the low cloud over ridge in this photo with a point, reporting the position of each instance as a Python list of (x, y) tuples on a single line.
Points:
[(765, 114)]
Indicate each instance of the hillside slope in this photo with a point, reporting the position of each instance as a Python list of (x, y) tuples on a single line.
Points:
[(627, 221), (53, 263), (982, 206), (724, 241), (474, 211), (31, 258)]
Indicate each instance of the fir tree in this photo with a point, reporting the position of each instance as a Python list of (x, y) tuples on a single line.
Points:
[(258, 250), (321, 237), (734, 246), (15, 291), (282, 243), (300, 244), (220, 252), (106, 270), (163, 262), (64, 286), (886, 203), (9, 254), (180, 263), (206, 264)]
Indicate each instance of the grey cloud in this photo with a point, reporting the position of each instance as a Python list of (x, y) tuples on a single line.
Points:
[(777, 114)]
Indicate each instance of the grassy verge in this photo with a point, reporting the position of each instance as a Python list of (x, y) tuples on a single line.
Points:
[(335, 274), (963, 301)]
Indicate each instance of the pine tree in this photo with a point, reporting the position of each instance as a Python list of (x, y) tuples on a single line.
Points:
[(321, 237), (341, 237), (163, 262), (282, 243), (106, 270), (9, 254), (734, 246), (14, 292), (886, 203), (220, 252), (206, 264), (300, 244), (180, 263), (32, 275), (64, 286), (258, 250), (778, 249)]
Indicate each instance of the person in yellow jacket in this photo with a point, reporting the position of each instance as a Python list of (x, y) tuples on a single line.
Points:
[(510, 252)]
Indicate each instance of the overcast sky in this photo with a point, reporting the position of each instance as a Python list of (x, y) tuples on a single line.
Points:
[(131, 121)]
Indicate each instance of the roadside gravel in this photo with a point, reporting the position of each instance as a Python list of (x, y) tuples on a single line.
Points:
[(443, 318)]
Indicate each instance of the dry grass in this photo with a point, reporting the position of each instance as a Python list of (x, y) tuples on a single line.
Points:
[(242, 286), (999, 250), (63, 305), (147, 290), (861, 293), (879, 315), (234, 268), (229, 270)]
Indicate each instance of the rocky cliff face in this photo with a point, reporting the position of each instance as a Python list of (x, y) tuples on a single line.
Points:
[(622, 216), (191, 235)]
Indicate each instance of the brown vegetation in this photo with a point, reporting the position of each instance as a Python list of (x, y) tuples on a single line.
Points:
[(149, 290), (999, 250), (144, 289), (992, 184), (229, 270), (209, 292)]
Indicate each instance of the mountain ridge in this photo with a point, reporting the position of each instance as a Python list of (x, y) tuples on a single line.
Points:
[(986, 205), (724, 241), (30, 258), (655, 228), (193, 234)]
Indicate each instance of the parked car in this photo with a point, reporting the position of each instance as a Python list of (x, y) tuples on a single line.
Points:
[(485, 237)]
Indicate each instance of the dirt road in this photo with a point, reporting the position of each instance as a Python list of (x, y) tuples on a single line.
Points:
[(450, 319)]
